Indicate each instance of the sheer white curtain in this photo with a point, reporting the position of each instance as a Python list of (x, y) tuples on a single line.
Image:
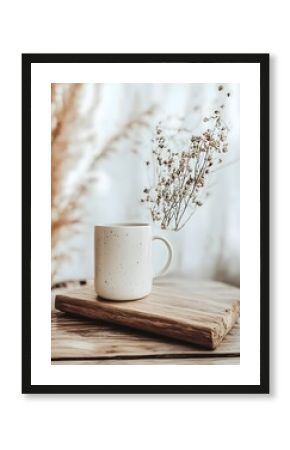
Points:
[(209, 245)]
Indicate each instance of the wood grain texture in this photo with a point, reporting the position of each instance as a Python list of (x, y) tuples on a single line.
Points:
[(201, 313), (79, 338), (157, 361)]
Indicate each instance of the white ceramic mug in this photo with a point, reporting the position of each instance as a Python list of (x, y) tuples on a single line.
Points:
[(123, 260)]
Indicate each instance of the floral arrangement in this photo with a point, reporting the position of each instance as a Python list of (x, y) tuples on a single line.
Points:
[(180, 176)]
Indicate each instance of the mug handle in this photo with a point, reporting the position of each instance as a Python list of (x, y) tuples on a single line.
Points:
[(170, 256)]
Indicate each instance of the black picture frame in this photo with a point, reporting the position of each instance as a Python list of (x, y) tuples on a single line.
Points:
[(263, 61)]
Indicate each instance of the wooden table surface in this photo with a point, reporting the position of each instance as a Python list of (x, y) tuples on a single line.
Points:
[(76, 340)]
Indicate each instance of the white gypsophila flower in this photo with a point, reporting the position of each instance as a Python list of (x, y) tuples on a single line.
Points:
[(181, 175)]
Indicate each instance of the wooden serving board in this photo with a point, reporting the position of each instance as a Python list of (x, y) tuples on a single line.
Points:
[(200, 313)]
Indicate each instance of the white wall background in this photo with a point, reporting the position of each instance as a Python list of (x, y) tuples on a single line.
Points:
[(208, 247), (54, 422)]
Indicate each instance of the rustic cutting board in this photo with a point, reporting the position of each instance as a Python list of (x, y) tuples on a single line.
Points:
[(201, 313)]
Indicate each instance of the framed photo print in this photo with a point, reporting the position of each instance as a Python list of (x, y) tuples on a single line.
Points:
[(145, 223)]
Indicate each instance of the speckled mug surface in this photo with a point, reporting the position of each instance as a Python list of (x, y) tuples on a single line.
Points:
[(123, 260)]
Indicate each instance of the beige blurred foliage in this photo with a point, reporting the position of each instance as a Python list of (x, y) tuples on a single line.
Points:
[(74, 144)]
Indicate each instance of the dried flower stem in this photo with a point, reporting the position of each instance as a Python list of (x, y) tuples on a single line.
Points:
[(181, 176), (73, 133)]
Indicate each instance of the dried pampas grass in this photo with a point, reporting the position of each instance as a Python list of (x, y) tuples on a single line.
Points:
[(73, 136)]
